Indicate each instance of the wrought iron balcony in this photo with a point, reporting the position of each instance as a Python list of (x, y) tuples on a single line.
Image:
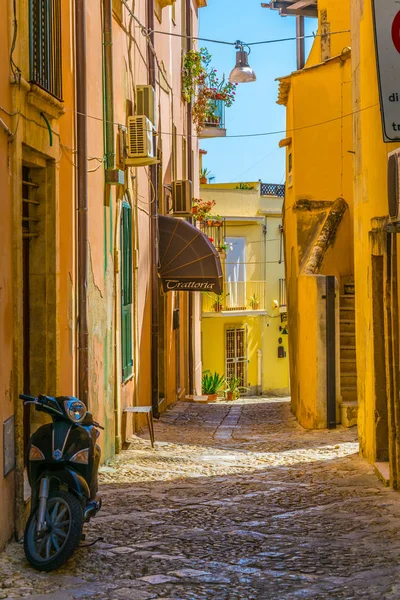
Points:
[(215, 231), (238, 296), (273, 189), (45, 45), (215, 122)]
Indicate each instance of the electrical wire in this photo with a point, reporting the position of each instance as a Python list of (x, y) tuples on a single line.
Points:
[(277, 41), (147, 32), (246, 135)]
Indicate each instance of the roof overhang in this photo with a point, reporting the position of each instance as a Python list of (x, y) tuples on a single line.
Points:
[(188, 261), (300, 8)]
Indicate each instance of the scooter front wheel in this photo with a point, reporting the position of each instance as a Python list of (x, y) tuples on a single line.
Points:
[(52, 547)]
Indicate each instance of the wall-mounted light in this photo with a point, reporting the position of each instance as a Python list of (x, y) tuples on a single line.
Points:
[(242, 72)]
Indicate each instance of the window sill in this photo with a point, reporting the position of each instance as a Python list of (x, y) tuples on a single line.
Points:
[(45, 102), (128, 379)]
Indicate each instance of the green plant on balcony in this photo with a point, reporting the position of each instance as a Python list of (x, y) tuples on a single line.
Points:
[(218, 300), (224, 247), (214, 221), (254, 302), (211, 384), (201, 208), (204, 174), (244, 186), (201, 85)]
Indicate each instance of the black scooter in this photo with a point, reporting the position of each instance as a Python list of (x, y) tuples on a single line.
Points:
[(63, 460)]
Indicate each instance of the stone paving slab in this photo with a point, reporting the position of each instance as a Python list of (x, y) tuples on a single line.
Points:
[(236, 502)]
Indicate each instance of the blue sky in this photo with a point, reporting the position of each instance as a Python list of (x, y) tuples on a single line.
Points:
[(255, 109)]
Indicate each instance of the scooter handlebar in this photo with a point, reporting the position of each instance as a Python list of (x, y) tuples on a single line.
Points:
[(27, 398)]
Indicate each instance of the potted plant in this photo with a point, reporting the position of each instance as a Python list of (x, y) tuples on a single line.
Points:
[(244, 186), (211, 384), (234, 388), (223, 249), (254, 302), (218, 300), (204, 173)]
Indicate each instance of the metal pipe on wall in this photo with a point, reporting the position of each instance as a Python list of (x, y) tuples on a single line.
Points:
[(108, 84), (190, 177), (155, 310), (82, 190)]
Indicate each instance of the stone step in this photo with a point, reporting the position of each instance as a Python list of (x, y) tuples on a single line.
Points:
[(348, 393), (347, 326), (347, 339), (348, 413), (348, 353), (348, 379), (348, 365), (347, 314)]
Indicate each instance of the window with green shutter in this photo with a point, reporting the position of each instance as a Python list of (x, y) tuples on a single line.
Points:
[(126, 290)]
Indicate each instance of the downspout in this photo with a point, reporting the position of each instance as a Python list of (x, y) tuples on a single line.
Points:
[(153, 231), (82, 189), (108, 86), (108, 91), (190, 177), (265, 324)]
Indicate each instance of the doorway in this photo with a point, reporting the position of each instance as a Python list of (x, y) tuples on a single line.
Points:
[(236, 354), (381, 399)]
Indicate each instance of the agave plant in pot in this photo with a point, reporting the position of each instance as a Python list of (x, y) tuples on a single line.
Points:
[(218, 300), (211, 384), (234, 388)]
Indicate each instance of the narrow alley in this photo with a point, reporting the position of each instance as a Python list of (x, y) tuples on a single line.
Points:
[(236, 501)]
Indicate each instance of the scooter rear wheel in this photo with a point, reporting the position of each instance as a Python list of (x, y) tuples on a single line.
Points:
[(64, 520)]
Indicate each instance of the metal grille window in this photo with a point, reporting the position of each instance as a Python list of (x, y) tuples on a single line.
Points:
[(45, 45)]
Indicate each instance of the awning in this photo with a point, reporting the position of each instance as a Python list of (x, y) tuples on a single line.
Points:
[(187, 259)]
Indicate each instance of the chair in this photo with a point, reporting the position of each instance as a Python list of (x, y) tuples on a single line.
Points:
[(148, 411)]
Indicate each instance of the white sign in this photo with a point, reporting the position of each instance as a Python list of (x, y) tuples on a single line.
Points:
[(387, 41)]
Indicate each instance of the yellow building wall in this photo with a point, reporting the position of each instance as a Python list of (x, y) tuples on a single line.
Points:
[(258, 219), (319, 169), (370, 202), (7, 483)]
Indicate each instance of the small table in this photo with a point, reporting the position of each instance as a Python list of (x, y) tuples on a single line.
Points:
[(148, 411)]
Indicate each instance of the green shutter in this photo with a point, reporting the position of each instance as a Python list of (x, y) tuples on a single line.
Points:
[(126, 290)]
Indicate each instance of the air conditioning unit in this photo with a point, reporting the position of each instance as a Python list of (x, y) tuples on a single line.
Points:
[(182, 195), (394, 185), (146, 102), (139, 138)]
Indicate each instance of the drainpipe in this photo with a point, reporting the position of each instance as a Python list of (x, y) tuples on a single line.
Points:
[(153, 233), (82, 189), (190, 177), (108, 85)]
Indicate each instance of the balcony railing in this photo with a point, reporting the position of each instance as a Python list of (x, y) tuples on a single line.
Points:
[(45, 45), (214, 125), (273, 189), (240, 296), (216, 233)]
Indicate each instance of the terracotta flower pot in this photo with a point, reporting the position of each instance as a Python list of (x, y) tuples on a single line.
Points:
[(203, 180), (212, 397), (255, 306), (229, 395)]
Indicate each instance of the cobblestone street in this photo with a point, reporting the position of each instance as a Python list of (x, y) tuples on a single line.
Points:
[(236, 502)]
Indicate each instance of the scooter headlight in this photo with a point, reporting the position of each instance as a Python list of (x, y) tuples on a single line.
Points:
[(75, 410)]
